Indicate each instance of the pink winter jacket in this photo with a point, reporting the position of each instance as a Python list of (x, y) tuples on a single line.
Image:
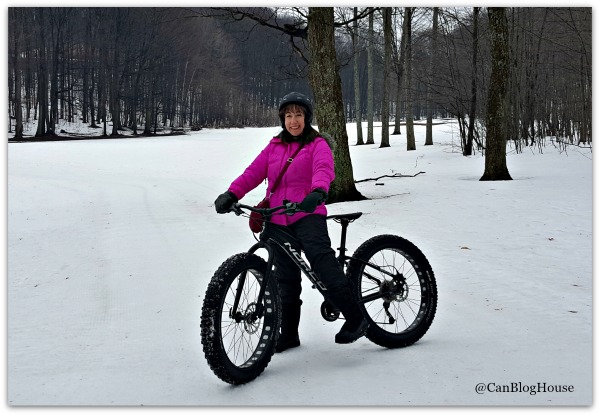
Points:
[(311, 169)]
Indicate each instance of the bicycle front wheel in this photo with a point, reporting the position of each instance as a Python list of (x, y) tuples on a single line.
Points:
[(396, 289), (238, 342)]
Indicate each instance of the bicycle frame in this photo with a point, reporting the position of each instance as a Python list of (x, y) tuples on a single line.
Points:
[(344, 220), (288, 244)]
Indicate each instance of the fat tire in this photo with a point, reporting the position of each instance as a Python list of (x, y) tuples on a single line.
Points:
[(416, 315), (215, 322)]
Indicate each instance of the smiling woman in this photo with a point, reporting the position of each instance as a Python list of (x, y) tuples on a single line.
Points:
[(307, 181), (296, 115), (294, 119)]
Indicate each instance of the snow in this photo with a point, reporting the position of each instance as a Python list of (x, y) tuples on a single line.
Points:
[(111, 244)]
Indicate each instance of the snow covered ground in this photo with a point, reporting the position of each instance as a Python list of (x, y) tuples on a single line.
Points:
[(111, 244)]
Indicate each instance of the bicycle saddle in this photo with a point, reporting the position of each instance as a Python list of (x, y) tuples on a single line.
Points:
[(346, 216)]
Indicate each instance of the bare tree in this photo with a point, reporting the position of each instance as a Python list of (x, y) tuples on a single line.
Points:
[(16, 24), (56, 18), (385, 104), (399, 69), (327, 90), (410, 131), (357, 108), (118, 20), (370, 80), (468, 143), (433, 56), (45, 126), (496, 119)]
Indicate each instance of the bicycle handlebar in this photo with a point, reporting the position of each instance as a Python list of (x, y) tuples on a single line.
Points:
[(289, 208)]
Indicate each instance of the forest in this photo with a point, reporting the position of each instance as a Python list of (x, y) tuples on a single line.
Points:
[(148, 67), (151, 70)]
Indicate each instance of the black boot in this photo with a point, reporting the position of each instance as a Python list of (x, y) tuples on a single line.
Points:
[(356, 324), (290, 319)]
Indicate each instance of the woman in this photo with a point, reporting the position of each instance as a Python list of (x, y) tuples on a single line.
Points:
[(306, 181)]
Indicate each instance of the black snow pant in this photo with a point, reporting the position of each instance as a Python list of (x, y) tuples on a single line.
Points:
[(312, 234)]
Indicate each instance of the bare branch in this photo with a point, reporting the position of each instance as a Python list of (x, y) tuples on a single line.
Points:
[(391, 176)]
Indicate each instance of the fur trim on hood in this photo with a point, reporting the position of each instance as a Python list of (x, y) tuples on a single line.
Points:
[(329, 140)]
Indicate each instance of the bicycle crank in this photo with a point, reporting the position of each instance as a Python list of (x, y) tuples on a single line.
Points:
[(329, 311)]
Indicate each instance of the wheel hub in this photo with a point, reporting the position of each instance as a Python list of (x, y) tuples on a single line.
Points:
[(251, 322), (394, 290)]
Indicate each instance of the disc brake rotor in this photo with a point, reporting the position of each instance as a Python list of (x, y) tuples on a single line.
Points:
[(394, 290), (251, 322)]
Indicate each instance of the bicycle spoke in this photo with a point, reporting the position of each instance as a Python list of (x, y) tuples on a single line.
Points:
[(402, 293), (238, 331), (240, 335)]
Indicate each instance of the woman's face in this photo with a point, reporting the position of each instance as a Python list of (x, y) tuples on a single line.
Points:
[(294, 120)]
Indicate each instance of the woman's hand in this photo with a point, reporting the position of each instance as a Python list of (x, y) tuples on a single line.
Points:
[(312, 200), (225, 201)]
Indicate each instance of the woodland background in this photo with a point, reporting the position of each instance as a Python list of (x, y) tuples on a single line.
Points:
[(149, 68), (519, 74)]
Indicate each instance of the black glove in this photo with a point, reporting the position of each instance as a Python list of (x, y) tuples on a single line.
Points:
[(312, 200), (225, 201)]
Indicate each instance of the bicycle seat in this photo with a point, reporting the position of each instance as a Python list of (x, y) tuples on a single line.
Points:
[(345, 216)]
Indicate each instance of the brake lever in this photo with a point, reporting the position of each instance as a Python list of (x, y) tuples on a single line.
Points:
[(236, 209), (291, 208)]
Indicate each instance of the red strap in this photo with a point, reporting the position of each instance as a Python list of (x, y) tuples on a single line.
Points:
[(287, 164)]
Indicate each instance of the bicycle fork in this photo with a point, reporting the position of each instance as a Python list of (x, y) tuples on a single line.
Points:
[(296, 257), (259, 307)]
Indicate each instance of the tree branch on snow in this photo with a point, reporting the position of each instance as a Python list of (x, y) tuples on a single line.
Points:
[(391, 176)]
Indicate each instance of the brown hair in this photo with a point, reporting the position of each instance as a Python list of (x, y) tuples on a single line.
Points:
[(291, 108)]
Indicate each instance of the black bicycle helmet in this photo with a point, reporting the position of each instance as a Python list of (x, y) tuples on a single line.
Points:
[(300, 99)]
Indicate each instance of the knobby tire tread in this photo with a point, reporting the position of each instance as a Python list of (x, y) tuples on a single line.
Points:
[(366, 251), (212, 314)]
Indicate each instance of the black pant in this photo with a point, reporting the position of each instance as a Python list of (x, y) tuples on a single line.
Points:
[(312, 234)]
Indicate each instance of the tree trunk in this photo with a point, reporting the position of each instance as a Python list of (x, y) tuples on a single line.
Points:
[(430, 78), (91, 99), (326, 85), (17, 29), (468, 147), (114, 71), (42, 77), (101, 88), (115, 108), (85, 73), (410, 130), (148, 104), (385, 104), (400, 75), (357, 103), (370, 82), (495, 154), (57, 17)]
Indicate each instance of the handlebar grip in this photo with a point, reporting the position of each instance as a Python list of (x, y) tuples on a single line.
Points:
[(236, 209), (290, 207)]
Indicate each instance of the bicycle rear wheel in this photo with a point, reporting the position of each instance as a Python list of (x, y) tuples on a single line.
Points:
[(396, 288), (239, 345)]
